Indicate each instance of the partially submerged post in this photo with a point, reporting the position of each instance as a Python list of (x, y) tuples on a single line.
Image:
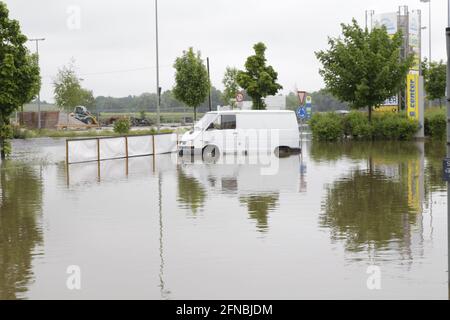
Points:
[(448, 139)]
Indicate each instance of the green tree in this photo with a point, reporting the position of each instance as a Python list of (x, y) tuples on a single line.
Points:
[(362, 67), (68, 91), (191, 80), (87, 98), (435, 74), (231, 86), (19, 76), (259, 80)]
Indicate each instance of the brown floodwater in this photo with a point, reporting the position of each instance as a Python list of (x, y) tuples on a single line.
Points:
[(301, 227)]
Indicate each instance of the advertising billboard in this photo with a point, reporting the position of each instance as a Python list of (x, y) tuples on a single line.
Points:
[(389, 20), (414, 38), (412, 95)]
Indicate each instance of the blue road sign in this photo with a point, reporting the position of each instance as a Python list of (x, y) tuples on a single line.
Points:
[(301, 112), (446, 166)]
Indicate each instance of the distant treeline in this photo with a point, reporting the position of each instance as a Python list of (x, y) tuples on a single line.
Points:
[(322, 101), (147, 102)]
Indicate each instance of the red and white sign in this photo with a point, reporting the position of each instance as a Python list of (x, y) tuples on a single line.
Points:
[(240, 97), (301, 97)]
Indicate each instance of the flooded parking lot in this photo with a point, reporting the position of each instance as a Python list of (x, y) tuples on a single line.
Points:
[(306, 226)]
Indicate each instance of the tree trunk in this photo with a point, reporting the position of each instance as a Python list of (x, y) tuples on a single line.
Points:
[(2, 140), (370, 114), (195, 114), (258, 104), (440, 103), (2, 149)]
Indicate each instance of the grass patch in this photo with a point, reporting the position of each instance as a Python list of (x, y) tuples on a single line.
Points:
[(47, 133)]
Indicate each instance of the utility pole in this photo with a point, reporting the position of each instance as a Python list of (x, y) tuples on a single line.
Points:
[(209, 79), (158, 93), (39, 93)]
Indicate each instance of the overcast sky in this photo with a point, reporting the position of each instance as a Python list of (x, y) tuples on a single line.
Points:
[(113, 42)]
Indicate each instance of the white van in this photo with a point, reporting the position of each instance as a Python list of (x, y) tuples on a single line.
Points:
[(238, 131)]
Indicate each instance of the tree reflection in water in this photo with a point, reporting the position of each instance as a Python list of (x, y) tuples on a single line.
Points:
[(376, 205), (190, 192), (258, 207), (20, 207), (368, 208)]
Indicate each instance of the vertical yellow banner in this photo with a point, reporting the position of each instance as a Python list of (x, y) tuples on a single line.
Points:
[(412, 95)]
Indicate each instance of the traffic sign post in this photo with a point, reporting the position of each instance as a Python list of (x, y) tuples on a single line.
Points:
[(308, 107), (301, 97), (446, 172), (301, 112)]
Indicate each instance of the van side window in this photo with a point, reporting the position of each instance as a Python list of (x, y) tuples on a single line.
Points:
[(228, 122)]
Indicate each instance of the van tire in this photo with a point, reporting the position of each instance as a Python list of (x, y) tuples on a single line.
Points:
[(283, 152), (210, 153)]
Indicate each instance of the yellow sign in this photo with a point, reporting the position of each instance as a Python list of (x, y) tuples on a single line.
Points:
[(412, 96), (386, 108)]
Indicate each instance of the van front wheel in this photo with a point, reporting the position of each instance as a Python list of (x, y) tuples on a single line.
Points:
[(283, 152), (210, 152)]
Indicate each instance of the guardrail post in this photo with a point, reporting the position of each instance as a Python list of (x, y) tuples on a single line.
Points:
[(67, 152), (153, 144), (98, 149)]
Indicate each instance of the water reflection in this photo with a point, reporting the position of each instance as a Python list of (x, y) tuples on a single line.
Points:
[(392, 152), (374, 207), (330, 213), (259, 207), (20, 233), (191, 194), (435, 152), (367, 208), (255, 181)]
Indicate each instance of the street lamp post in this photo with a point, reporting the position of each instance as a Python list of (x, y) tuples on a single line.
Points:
[(158, 93), (371, 13), (429, 27), (447, 32), (209, 79), (39, 93)]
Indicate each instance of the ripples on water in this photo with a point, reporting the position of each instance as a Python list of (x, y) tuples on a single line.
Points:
[(166, 228)]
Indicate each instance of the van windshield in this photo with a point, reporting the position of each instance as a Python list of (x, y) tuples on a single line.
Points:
[(205, 121)]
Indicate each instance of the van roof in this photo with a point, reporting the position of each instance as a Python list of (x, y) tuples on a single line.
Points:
[(251, 111)]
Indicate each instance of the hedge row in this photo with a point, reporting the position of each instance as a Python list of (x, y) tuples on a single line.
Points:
[(332, 126), (435, 123)]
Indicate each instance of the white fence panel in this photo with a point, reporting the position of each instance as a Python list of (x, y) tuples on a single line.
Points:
[(140, 146), (165, 143), (82, 150), (112, 148), (85, 150)]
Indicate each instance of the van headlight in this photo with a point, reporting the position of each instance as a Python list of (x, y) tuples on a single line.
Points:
[(186, 143)]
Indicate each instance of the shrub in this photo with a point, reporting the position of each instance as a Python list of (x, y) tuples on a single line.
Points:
[(435, 125), (327, 127), (392, 126), (330, 126), (122, 126), (356, 124), (22, 133)]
